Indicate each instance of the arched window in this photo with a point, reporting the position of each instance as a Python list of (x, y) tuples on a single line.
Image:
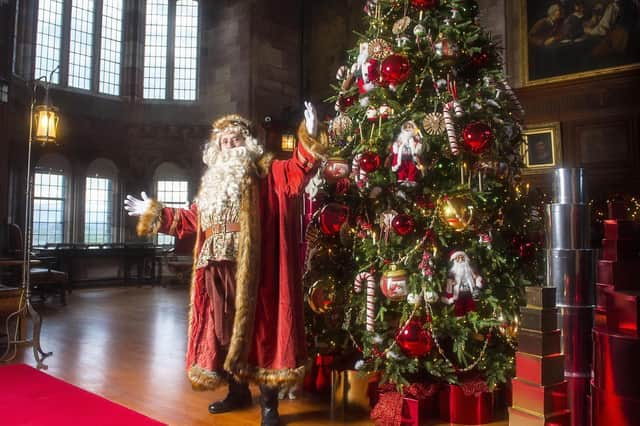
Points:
[(171, 49), (172, 190), (100, 190), (50, 195), (93, 47)]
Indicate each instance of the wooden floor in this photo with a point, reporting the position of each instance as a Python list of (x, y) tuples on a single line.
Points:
[(127, 344)]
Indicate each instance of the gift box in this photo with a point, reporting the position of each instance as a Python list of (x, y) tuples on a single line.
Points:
[(616, 367), (623, 311), (519, 417), (539, 399), (352, 393), (601, 295), (577, 342), (620, 229), (608, 409), (623, 274), (540, 370), (466, 404), (619, 249), (541, 297), (541, 319), (418, 403), (539, 343)]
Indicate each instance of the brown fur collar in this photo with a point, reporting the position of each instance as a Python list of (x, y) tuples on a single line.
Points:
[(264, 164)]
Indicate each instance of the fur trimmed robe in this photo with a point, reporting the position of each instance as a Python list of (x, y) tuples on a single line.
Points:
[(267, 342)]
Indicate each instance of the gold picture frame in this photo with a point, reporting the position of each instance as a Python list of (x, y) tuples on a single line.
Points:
[(584, 56), (542, 148)]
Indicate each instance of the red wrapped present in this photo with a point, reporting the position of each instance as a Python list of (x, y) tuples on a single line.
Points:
[(609, 409), (623, 311), (409, 409), (470, 403), (622, 274), (620, 229), (619, 249), (615, 363)]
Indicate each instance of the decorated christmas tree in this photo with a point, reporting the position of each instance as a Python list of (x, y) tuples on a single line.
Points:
[(424, 236)]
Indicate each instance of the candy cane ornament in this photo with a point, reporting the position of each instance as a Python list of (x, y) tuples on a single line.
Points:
[(451, 130), (359, 176), (512, 96)]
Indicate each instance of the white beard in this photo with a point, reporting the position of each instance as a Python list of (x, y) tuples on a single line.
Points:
[(463, 274), (223, 181)]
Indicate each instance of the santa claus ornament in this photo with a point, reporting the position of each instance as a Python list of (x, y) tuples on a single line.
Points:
[(414, 340), (393, 283), (336, 168), (406, 150), (463, 284)]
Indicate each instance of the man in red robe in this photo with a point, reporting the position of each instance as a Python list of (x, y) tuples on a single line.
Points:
[(246, 318)]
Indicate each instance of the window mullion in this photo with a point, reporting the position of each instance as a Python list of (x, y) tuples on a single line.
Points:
[(171, 47), (65, 44), (97, 45)]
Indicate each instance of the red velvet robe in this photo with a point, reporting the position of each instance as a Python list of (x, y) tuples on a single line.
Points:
[(277, 352)]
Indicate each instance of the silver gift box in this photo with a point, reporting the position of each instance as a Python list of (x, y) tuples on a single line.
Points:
[(572, 272), (568, 186)]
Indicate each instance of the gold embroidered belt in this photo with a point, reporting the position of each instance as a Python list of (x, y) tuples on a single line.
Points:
[(219, 228)]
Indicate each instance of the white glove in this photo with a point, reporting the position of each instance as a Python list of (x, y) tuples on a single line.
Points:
[(136, 207), (310, 119)]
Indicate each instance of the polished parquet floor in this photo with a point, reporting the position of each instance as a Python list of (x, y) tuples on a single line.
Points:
[(127, 344)]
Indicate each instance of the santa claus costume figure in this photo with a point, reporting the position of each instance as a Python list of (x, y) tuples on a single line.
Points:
[(246, 316), (463, 284), (405, 151)]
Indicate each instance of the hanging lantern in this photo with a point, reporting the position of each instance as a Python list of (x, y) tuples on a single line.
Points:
[(46, 121)]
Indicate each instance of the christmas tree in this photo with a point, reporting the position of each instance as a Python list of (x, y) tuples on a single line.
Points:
[(423, 238)]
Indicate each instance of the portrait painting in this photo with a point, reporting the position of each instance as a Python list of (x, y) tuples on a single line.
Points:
[(567, 39), (541, 149)]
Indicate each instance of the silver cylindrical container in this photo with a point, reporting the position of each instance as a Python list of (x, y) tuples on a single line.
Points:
[(576, 324), (568, 186), (573, 274), (568, 226)]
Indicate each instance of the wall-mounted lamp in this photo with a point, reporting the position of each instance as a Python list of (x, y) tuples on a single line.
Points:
[(287, 142), (46, 119)]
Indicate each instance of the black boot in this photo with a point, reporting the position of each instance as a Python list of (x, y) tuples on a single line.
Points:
[(239, 397), (269, 404)]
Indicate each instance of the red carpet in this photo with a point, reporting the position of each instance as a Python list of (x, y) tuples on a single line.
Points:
[(30, 397)]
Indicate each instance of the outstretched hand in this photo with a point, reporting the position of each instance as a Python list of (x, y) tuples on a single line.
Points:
[(136, 207), (310, 119)]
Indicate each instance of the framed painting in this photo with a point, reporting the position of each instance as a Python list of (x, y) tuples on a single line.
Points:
[(541, 149), (568, 39)]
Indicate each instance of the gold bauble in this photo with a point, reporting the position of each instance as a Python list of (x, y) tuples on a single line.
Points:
[(379, 49), (434, 123), (456, 211), (321, 296), (509, 328)]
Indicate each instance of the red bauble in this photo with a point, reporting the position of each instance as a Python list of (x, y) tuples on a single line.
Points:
[(395, 69), (477, 137), (332, 216), (424, 4), (479, 60), (370, 161), (403, 224), (414, 340)]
